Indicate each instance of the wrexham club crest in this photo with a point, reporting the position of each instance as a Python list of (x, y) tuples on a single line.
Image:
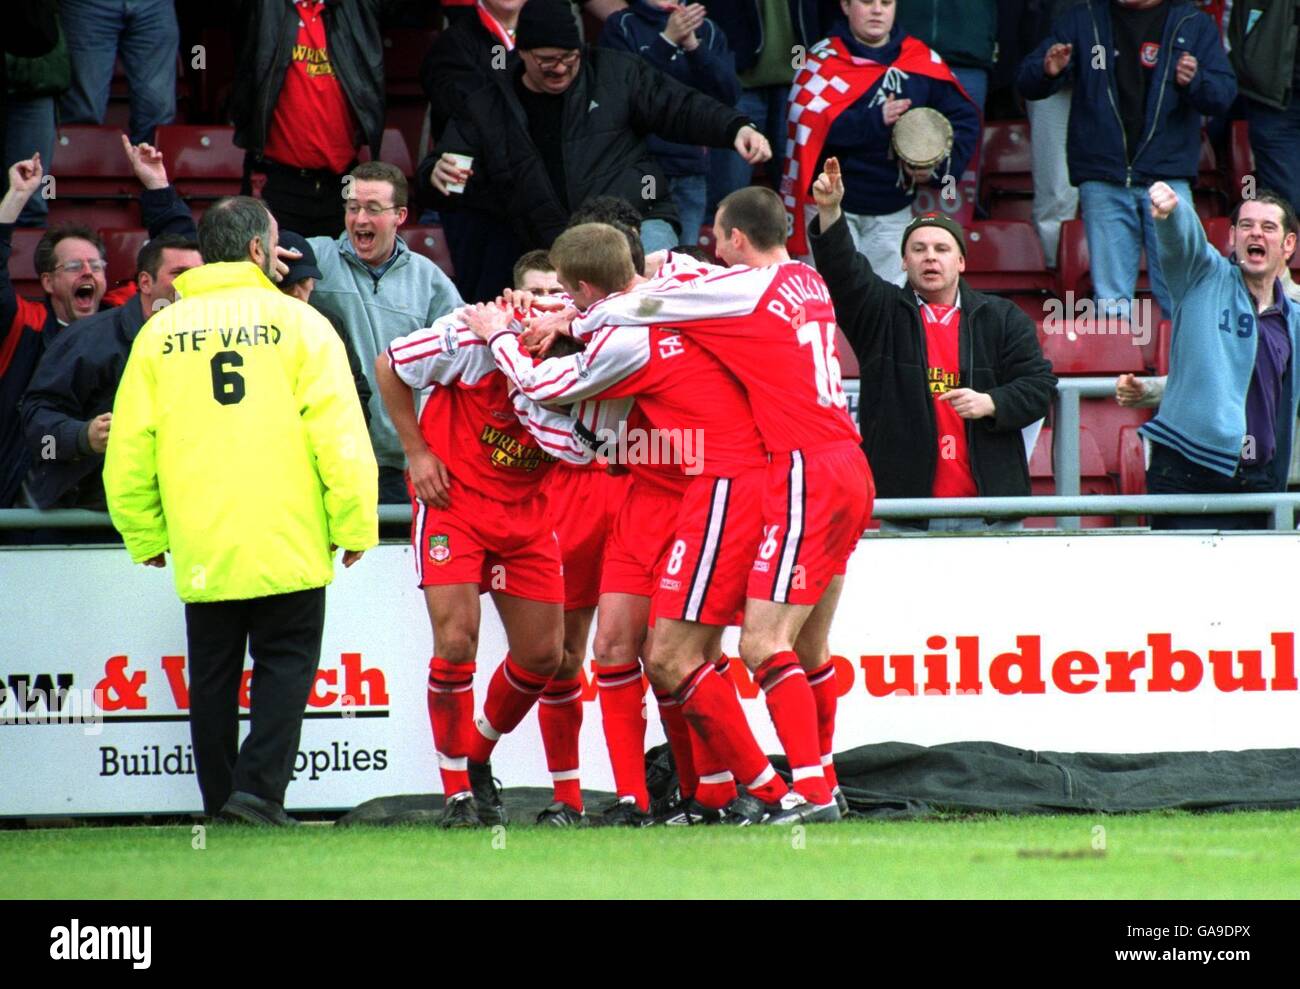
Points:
[(440, 548)]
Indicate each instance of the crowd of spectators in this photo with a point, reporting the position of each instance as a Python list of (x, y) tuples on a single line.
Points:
[(542, 110)]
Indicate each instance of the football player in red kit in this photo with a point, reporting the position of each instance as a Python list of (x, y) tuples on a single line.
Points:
[(482, 526), (770, 321), (584, 501), (701, 413)]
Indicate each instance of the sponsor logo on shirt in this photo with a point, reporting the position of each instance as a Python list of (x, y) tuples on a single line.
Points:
[(941, 381), (668, 584), (510, 452)]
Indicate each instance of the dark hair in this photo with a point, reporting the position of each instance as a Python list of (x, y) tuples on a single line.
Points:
[(382, 171), (149, 257), (538, 260), (758, 213), (45, 262), (229, 225), (607, 209), (1271, 198), (634, 245), (697, 252)]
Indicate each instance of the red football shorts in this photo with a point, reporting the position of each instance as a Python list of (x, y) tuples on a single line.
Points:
[(509, 548), (704, 577), (585, 501), (638, 541), (816, 505)]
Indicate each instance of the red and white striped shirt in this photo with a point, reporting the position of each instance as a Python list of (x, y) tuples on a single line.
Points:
[(495, 440), (772, 327)]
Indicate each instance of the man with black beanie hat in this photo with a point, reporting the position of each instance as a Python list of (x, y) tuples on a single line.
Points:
[(950, 376), (568, 124)]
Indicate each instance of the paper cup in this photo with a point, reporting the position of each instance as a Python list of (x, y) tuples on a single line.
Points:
[(460, 161)]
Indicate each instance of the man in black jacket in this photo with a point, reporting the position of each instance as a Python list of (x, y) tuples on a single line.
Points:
[(308, 91), (569, 124), (950, 376), (67, 409)]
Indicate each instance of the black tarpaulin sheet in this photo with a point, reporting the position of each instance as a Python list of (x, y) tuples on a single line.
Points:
[(897, 779)]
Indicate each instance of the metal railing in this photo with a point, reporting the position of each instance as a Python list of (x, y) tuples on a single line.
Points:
[(1067, 505)]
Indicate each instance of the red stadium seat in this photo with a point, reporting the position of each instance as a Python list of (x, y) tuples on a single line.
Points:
[(394, 151), (202, 161), (22, 259), (848, 359), (431, 242), (1073, 265), (1005, 256), (120, 250), (1007, 208), (1091, 346), (97, 214), (1217, 230), (404, 52), (411, 119), (1093, 479), (1132, 463), (1241, 158), (1007, 160), (1106, 420), (89, 163)]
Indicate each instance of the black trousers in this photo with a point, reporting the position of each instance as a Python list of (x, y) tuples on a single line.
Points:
[(283, 635), (308, 203), (1172, 473)]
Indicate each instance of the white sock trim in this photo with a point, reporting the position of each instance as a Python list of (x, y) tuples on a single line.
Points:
[(806, 773), (486, 730), (718, 778), (563, 775), (456, 765), (763, 778)]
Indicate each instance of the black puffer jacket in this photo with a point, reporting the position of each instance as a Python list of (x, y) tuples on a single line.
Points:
[(613, 103), (999, 356), (266, 31)]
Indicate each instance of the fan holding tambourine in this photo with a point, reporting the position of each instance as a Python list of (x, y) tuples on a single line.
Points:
[(887, 106)]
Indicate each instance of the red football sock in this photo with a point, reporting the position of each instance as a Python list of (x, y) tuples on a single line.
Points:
[(714, 711), (622, 699), (559, 713), (826, 694), (679, 740), (717, 787), (794, 713), (451, 715), (511, 694)]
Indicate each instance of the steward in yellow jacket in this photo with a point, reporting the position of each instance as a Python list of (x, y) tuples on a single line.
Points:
[(238, 441)]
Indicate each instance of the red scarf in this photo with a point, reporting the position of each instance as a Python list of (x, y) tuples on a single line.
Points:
[(494, 27), (830, 81)]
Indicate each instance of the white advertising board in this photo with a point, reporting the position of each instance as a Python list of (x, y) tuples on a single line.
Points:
[(1113, 642)]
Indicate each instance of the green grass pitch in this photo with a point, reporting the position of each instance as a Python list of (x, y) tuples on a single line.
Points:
[(1160, 855)]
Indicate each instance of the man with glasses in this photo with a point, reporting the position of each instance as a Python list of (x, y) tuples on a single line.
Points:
[(70, 261), (565, 125), (376, 289)]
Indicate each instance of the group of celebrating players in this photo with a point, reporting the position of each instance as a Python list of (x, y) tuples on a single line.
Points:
[(750, 521)]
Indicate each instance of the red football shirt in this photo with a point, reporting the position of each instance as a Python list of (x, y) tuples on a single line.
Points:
[(772, 327), (313, 125), (495, 442), (952, 475), (698, 412)]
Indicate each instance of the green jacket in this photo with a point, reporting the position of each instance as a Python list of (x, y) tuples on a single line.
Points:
[(964, 32), (409, 295), (1263, 38), (48, 75)]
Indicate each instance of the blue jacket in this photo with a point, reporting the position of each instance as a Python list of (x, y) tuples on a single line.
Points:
[(76, 381), (860, 139), (1171, 148), (1212, 356), (710, 69)]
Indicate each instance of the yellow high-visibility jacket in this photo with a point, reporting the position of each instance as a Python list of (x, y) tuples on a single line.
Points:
[(238, 442)]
